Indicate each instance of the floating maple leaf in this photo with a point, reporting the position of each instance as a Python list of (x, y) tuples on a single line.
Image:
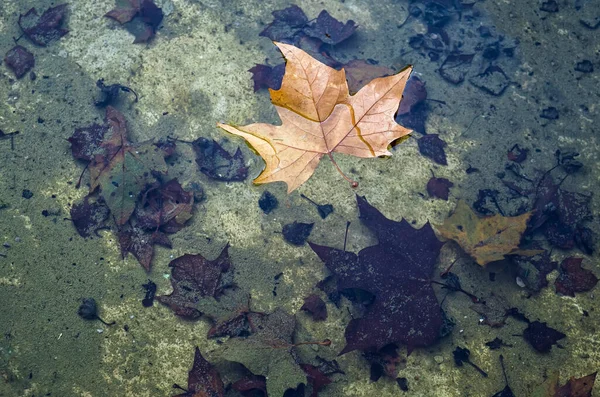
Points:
[(319, 117), (398, 272), (203, 379), (486, 239)]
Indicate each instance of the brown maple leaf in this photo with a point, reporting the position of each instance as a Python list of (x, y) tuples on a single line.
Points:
[(486, 239), (320, 117)]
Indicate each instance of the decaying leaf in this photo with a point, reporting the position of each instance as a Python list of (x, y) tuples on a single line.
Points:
[(203, 379), (398, 272), (193, 277), (43, 29), (319, 118), (269, 352), (573, 278), (142, 16), (486, 239)]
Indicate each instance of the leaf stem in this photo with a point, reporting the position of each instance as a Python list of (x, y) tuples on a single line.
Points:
[(352, 182)]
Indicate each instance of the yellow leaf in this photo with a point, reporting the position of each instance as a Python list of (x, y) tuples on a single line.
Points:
[(320, 117), (486, 239)]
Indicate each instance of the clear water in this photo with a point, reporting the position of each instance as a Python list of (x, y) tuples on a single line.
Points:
[(192, 75)]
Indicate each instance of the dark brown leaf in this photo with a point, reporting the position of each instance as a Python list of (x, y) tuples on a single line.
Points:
[(203, 379), (316, 307), (216, 163), (573, 278), (577, 387), (89, 217), (140, 243), (46, 28), (19, 60), (433, 147), (439, 188), (193, 277), (541, 337)]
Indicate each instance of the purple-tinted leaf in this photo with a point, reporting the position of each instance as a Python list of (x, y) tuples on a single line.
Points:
[(329, 30), (397, 271), (573, 278), (89, 217), (19, 60), (439, 188), (265, 76), (316, 307), (140, 243), (433, 147), (46, 28)]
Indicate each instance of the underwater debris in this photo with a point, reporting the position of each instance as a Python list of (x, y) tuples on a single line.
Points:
[(268, 202), (517, 154), (314, 305), (142, 18), (265, 76), (507, 391), (110, 93), (573, 278), (461, 355), (46, 28), (88, 310), (150, 288), (203, 379), (90, 216), (297, 233), (193, 277), (216, 163), (413, 110), (432, 146), (19, 60), (439, 187), (323, 209)]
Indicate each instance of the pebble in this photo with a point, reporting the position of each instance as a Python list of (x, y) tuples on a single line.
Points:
[(438, 359)]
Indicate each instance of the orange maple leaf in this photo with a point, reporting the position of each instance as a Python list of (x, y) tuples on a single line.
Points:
[(319, 116)]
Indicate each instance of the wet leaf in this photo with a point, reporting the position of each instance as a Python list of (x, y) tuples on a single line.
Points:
[(486, 239), (193, 277), (89, 216), (42, 30), (19, 60), (297, 233), (166, 206), (203, 379), (359, 72), (573, 278), (140, 243), (216, 163), (329, 121), (316, 307), (439, 188), (397, 272), (413, 110), (577, 387), (541, 337), (143, 17), (269, 352), (329, 30), (433, 147), (119, 168)]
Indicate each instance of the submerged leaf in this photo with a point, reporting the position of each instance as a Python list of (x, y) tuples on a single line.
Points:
[(269, 352), (486, 239), (398, 272)]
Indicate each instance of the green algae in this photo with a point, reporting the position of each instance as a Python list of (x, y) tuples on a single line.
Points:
[(194, 74)]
